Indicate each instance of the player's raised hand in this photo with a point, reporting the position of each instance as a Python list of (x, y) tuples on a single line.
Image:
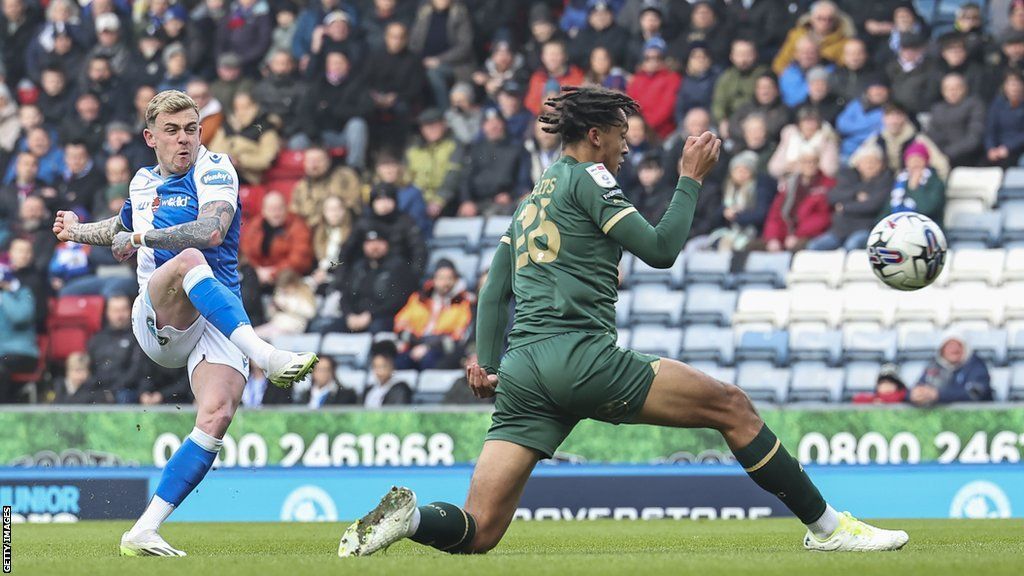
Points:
[(480, 382), (700, 154), (63, 223)]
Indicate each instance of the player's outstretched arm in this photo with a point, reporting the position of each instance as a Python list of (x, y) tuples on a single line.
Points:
[(492, 308), (658, 246), (67, 228), (207, 231)]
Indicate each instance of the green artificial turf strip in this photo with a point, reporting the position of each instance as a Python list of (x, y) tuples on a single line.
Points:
[(748, 547)]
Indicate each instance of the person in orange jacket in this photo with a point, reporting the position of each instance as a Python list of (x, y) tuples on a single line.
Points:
[(277, 240), (432, 325)]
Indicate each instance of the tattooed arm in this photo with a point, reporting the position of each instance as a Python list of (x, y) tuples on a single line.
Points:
[(68, 229), (207, 231)]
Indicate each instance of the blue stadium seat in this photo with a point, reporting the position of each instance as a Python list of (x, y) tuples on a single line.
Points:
[(813, 342), (708, 268), (983, 228), (878, 345), (709, 305), (816, 382), (817, 267), (860, 377), (708, 343), (657, 340), (969, 183), (772, 346), (433, 384), (766, 268), (354, 379), (309, 342), (644, 273), (814, 303), (1015, 341), (657, 306), (624, 309), (990, 345), (911, 371), (624, 338), (763, 382), (917, 342), (1000, 383), (1016, 390), (462, 233), (1013, 220), (494, 229), (757, 305), (1013, 184), (347, 349)]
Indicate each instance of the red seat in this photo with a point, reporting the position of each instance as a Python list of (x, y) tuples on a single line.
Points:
[(84, 312), (251, 196), (36, 375), (288, 165), (284, 186), (65, 340)]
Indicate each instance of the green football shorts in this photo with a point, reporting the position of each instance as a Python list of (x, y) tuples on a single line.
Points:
[(546, 387)]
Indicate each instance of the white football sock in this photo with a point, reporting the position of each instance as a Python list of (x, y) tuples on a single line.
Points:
[(415, 524), (823, 527), (155, 514), (257, 349)]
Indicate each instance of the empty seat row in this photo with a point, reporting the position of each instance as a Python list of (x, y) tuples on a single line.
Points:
[(429, 386)]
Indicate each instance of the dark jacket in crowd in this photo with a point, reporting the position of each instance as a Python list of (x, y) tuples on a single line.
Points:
[(81, 190), (1005, 127), (399, 394), (400, 73), (279, 97), (378, 287), (958, 129), (330, 107), (613, 38), (914, 90), (90, 392), (246, 33), (340, 396), (405, 240), (118, 362), (857, 214), (695, 92), (969, 382), (491, 168)]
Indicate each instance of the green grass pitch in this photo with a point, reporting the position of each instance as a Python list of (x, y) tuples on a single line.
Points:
[(758, 547)]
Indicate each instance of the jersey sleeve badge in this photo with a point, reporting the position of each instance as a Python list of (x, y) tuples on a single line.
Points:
[(217, 177), (602, 176)]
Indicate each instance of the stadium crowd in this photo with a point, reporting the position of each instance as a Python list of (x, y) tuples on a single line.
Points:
[(356, 124)]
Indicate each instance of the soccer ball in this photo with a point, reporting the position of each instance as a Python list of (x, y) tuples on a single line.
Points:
[(907, 250)]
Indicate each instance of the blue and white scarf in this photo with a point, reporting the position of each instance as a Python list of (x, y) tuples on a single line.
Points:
[(899, 200)]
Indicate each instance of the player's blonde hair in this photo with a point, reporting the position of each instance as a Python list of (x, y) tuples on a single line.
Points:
[(168, 102)]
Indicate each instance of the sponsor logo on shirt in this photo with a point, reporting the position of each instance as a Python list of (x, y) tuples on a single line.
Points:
[(172, 202), (601, 175), (612, 194), (217, 177)]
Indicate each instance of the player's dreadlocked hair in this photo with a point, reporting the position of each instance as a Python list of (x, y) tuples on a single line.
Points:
[(577, 110)]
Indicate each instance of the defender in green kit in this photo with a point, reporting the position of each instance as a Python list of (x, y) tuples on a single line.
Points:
[(559, 260)]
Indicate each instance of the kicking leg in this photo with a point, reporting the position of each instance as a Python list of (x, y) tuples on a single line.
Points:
[(184, 287), (218, 390), (683, 397), (498, 481)]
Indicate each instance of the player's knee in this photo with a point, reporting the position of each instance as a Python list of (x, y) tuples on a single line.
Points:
[(215, 421), (188, 259), (738, 408)]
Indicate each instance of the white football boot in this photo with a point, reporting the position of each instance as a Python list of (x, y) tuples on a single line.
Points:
[(147, 543), (287, 368), (852, 535), (386, 524)]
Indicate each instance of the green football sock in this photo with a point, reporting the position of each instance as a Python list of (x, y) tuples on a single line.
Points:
[(445, 527), (768, 463)]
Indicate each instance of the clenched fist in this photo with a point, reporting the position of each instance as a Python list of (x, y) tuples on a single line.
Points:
[(700, 154), (64, 223)]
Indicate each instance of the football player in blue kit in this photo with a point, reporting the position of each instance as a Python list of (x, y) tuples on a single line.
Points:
[(183, 219)]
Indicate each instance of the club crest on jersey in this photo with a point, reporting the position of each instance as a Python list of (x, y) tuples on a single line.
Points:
[(601, 175), (217, 177), (155, 204)]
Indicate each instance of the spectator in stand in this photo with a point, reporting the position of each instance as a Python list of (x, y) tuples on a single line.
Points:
[(18, 349), (969, 22), (82, 180), (259, 392), (116, 361), (793, 80), (465, 116), (372, 288), (898, 132), (410, 201), (1004, 129), (55, 100), (555, 69), (435, 162), (109, 42), (165, 386), (600, 30), (245, 31), (33, 223), (503, 65), (696, 122), (60, 39), (280, 92), (704, 27), (396, 81), (51, 158), (918, 188), (958, 122), (230, 79), (999, 27), (847, 80), (21, 254), (603, 71), (335, 110), (433, 324), (889, 388), (211, 111), (335, 35), (698, 81), (857, 199), (735, 87), (653, 191), (112, 91), (109, 199), (310, 19), (10, 128), (84, 124), (146, 66), (648, 22), (383, 14), (518, 120), (809, 131), (913, 75), (655, 87), (956, 374), (746, 198), (120, 141), (767, 103), (542, 30), (78, 386), (277, 241), (70, 263), (540, 152), (800, 211), (442, 35), (248, 138), (492, 167), (820, 96), (405, 240), (292, 307), (906, 24), (176, 69), (320, 183), (330, 234), (20, 21), (954, 60), (640, 142), (873, 20), (384, 389), (824, 23), (26, 183), (325, 389), (460, 392), (862, 117)]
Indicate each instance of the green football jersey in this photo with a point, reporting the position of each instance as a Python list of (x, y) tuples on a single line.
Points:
[(565, 267)]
